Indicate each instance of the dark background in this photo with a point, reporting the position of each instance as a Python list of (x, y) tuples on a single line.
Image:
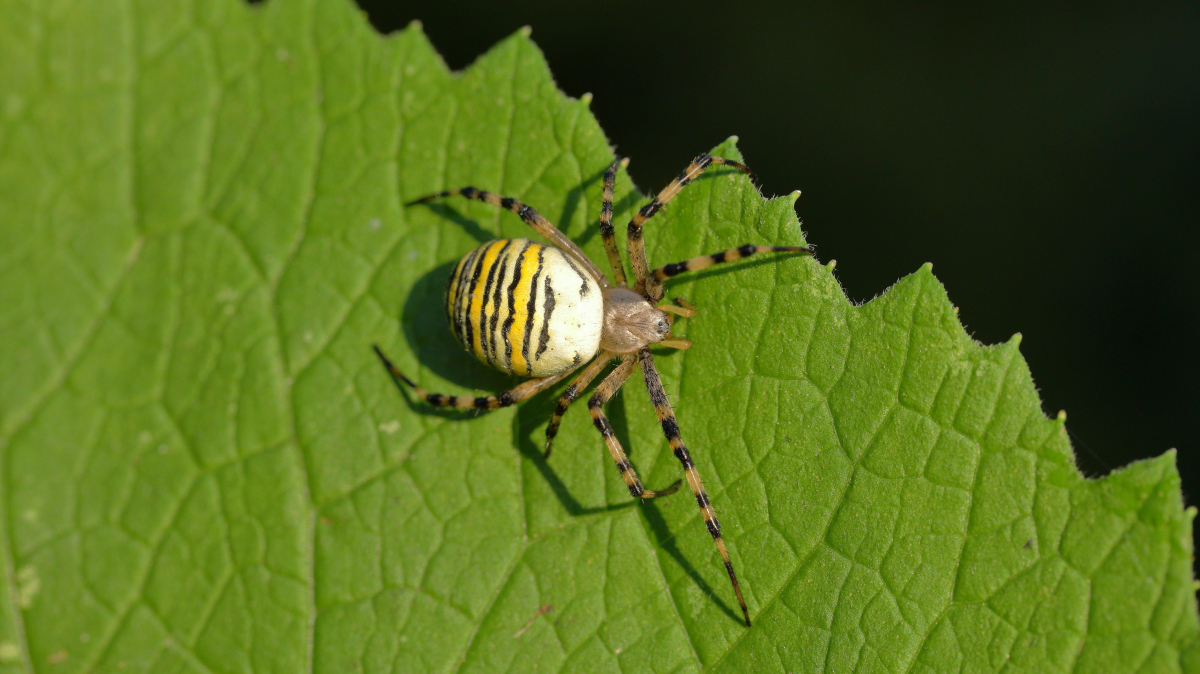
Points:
[(1045, 159)]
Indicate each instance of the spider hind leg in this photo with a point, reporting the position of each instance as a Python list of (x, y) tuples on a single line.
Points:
[(509, 397), (529, 216)]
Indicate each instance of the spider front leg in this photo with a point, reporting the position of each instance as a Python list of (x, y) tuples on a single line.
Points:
[(603, 393), (637, 247), (705, 261), (509, 397), (606, 228), (666, 417)]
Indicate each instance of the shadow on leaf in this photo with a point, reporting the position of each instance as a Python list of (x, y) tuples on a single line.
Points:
[(423, 321), (663, 537), (452, 214), (427, 331)]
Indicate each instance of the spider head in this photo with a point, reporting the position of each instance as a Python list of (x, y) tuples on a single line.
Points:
[(631, 322)]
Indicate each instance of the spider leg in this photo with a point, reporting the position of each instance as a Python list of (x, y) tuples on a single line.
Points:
[(509, 397), (606, 228), (603, 393), (581, 382), (637, 247), (532, 218), (705, 261), (666, 416)]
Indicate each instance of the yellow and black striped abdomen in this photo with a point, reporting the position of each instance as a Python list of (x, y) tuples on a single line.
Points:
[(525, 308)]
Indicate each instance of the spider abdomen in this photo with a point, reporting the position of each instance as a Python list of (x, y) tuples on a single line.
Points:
[(525, 308)]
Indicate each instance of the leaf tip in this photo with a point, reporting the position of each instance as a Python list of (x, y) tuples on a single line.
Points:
[(831, 264), (525, 30), (416, 24), (927, 267), (1062, 417), (1015, 340), (586, 98)]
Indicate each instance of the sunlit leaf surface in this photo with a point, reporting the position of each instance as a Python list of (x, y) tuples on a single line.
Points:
[(204, 469)]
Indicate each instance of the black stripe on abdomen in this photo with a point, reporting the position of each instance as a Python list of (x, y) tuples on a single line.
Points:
[(531, 309), (512, 305), (458, 280), (548, 307), (476, 272), (487, 290), (497, 303), (585, 282)]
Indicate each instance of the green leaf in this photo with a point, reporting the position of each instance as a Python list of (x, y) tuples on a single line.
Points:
[(205, 470)]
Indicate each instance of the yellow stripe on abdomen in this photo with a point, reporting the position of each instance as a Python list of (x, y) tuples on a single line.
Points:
[(518, 332), (475, 309)]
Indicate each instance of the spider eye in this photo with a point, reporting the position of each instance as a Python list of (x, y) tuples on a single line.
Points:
[(663, 327)]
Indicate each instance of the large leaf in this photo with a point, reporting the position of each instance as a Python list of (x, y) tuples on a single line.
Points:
[(204, 469)]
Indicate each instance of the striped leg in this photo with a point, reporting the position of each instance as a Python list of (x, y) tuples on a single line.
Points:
[(606, 228), (662, 407), (532, 218), (509, 397), (705, 261), (603, 393), (581, 382), (637, 247)]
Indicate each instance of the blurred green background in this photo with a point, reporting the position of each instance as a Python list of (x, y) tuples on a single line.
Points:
[(1045, 159)]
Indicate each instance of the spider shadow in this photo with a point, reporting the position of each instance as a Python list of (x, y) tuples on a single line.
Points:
[(620, 206), (454, 215), (653, 512), (571, 204), (434, 346), (427, 331), (592, 228)]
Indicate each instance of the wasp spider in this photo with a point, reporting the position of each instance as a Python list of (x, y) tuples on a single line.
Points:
[(544, 311)]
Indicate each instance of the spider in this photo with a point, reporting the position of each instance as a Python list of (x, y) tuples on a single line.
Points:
[(543, 311)]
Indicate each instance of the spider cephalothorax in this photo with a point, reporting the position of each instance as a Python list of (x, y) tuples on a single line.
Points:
[(631, 322), (545, 311)]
